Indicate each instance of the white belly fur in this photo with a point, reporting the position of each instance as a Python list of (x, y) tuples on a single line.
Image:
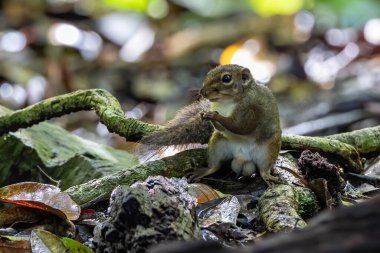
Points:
[(252, 155), (247, 156)]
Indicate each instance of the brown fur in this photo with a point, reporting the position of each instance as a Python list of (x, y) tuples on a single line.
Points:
[(246, 118), (186, 127), (244, 115)]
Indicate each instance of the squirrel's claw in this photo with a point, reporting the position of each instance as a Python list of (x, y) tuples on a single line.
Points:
[(208, 115), (194, 177), (272, 180)]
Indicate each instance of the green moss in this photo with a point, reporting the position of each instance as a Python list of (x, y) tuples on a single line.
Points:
[(60, 154), (306, 202), (282, 207)]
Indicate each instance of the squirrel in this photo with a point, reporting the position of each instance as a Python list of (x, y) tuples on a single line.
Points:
[(240, 115)]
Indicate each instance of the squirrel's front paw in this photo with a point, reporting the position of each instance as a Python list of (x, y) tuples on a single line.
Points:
[(209, 115)]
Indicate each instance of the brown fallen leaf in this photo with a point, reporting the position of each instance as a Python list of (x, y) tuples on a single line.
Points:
[(41, 196), (203, 192), (19, 214), (12, 244)]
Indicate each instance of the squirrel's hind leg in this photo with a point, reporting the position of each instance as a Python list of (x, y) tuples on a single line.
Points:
[(269, 178), (218, 151)]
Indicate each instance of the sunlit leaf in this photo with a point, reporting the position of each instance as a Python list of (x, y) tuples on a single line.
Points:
[(41, 196), (135, 5), (15, 238), (276, 7), (75, 246), (43, 241)]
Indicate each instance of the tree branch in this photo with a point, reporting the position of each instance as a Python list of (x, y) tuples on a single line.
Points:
[(348, 147), (102, 102), (189, 160)]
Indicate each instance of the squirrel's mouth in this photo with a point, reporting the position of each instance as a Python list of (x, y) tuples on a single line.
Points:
[(213, 99), (218, 97)]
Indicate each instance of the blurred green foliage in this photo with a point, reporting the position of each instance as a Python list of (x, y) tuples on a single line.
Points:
[(133, 5), (346, 13), (150, 53), (276, 7)]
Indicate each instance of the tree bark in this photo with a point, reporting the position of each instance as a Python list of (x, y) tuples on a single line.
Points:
[(346, 230), (159, 209), (282, 208), (169, 166)]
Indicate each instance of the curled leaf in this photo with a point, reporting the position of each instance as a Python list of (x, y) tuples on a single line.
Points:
[(43, 241), (41, 196)]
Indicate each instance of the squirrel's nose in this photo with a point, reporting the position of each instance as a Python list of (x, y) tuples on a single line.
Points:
[(238, 87)]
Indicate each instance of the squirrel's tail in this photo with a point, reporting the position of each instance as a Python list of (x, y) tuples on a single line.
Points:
[(186, 128)]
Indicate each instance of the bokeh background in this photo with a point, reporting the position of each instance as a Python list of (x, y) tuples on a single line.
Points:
[(320, 57)]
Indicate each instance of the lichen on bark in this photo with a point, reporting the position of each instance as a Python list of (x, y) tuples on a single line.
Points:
[(284, 207)]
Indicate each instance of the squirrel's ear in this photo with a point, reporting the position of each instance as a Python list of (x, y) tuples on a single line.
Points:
[(246, 76)]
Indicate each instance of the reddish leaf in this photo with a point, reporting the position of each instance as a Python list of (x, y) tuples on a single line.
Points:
[(41, 196), (87, 210), (203, 193)]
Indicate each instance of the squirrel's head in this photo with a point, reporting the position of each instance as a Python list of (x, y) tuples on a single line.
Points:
[(226, 82)]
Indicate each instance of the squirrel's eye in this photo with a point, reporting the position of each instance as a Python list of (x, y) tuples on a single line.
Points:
[(226, 78), (244, 77)]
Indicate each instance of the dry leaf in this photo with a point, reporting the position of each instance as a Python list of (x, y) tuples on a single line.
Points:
[(41, 196), (14, 246), (203, 193)]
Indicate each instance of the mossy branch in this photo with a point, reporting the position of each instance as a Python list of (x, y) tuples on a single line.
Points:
[(347, 153), (366, 141), (349, 147), (189, 160), (283, 207), (102, 102)]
